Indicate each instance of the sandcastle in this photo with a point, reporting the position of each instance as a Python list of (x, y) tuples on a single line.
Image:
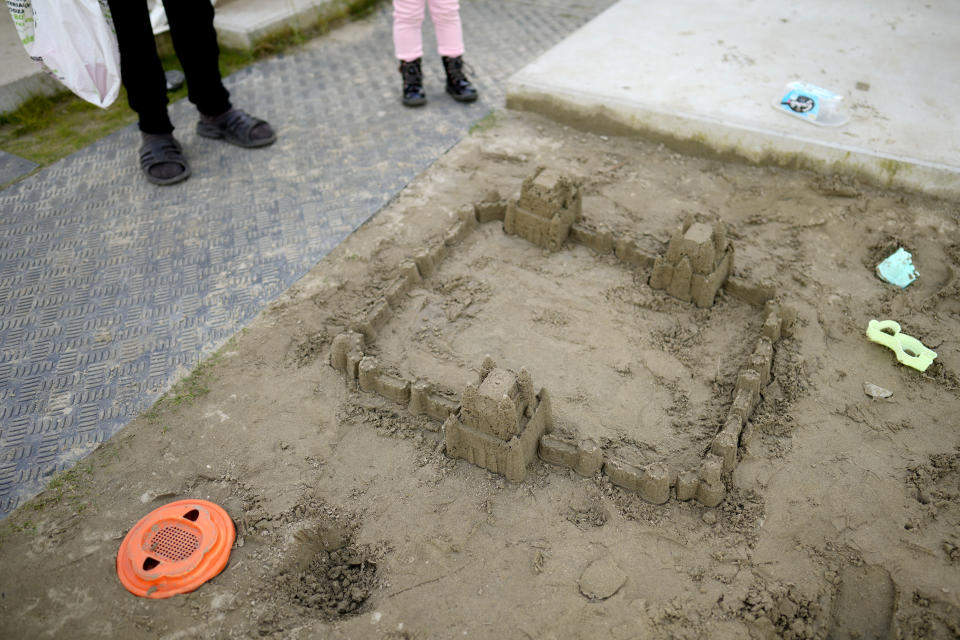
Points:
[(549, 204), (698, 261), (500, 423)]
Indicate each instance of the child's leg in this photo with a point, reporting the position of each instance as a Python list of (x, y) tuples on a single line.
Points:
[(407, 20), (446, 22)]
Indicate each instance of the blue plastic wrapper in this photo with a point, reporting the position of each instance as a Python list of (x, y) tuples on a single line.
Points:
[(814, 104)]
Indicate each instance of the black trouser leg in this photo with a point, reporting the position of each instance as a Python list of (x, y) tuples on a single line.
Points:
[(195, 41), (140, 67)]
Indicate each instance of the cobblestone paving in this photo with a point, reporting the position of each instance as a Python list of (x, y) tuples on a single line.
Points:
[(111, 289)]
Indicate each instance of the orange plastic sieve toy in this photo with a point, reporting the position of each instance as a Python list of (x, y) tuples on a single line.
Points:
[(175, 549)]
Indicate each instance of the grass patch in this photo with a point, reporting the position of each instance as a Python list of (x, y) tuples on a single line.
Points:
[(69, 486), (45, 129), (9, 528), (194, 386), (26, 526), (185, 392), (485, 123)]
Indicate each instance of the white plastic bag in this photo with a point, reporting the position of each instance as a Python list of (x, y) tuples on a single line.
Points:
[(74, 41)]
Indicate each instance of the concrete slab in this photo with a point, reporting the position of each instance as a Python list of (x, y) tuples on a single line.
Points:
[(20, 77), (700, 76), (242, 23), (13, 167)]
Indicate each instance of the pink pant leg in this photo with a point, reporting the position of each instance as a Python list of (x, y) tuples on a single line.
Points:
[(446, 22), (407, 20)]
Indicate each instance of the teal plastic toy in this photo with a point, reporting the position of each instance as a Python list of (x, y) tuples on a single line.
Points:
[(908, 349), (898, 268)]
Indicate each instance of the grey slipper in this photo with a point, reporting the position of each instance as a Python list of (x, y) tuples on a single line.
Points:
[(236, 127), (160, 150)]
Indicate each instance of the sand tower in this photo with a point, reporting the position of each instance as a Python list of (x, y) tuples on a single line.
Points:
[(499, 422), (549, 204), (698, 261)]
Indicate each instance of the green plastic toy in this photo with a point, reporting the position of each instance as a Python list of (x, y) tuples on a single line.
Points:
[(909, 350)]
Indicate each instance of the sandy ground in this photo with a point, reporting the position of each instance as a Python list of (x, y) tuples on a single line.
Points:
[(841, 520)]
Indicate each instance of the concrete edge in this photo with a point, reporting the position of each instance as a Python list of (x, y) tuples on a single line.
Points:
[(235, 33), (720, 139), (19, 91)]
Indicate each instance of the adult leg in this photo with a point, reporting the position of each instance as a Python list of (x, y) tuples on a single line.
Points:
[(161, 157), (140, 66), (195, 42)]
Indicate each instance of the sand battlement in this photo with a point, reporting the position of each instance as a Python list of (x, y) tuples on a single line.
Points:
[(500, 422)]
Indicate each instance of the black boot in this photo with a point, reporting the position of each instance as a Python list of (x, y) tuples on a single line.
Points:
[(413, 95), (457, 84)]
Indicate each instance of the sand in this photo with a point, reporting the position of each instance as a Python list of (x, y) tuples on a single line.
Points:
[(841, 517)]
